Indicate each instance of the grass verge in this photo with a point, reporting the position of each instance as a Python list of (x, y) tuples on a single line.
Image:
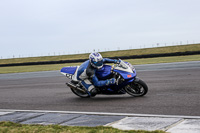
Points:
[(10, 127), (157, 50), (34, 68)]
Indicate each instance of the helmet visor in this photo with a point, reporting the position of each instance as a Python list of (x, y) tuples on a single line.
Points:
[(98, 63)]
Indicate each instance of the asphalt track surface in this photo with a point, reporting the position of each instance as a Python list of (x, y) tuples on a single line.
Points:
[(174, 89)]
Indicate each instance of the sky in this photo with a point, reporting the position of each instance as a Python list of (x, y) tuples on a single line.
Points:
[(57, 27)]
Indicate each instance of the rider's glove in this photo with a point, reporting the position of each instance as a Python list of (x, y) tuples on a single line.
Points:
[(117, 61), (110, 81)]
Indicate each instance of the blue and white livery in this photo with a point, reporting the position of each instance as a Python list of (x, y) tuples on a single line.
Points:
[(124, 73)]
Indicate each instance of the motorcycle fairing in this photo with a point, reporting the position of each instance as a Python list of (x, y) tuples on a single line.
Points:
[(125, 75), (70, 72), (104, 72), (116, 89)]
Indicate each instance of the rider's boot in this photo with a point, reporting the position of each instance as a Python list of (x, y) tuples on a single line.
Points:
[(93, 92)]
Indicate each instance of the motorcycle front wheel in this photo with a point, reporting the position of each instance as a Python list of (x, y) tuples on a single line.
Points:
[(137, 88)]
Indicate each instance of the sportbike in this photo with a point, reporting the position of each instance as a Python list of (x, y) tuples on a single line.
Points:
[(124, 73)]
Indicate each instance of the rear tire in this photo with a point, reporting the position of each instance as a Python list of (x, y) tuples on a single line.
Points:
[(137, 88), (80, 93)]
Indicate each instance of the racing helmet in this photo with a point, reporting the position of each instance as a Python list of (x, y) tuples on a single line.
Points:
[(96, 60)]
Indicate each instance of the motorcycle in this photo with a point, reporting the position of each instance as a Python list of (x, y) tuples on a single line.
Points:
[(124, 73)]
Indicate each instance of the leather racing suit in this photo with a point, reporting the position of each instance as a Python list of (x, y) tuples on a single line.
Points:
[(87, 71)]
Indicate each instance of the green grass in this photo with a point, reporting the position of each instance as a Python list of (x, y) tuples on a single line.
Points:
[(169, 49), (9, 127), (164, 59), (34, 68)]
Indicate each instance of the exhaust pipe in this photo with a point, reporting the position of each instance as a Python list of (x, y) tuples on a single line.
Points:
[(71, 85)]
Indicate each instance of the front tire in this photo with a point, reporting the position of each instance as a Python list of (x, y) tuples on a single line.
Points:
[(137, 88)]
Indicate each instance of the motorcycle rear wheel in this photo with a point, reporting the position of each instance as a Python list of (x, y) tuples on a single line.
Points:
[(137, 88), (80, 93)]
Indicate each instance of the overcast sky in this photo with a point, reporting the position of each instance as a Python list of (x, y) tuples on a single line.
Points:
[(42, 27)]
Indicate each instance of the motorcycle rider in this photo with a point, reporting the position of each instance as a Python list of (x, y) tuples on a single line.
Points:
[(86, 72)]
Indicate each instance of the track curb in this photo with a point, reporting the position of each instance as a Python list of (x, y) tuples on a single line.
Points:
[(103, 113), (123, 121)]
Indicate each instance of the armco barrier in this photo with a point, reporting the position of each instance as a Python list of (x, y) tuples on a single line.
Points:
[(121, 57)]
